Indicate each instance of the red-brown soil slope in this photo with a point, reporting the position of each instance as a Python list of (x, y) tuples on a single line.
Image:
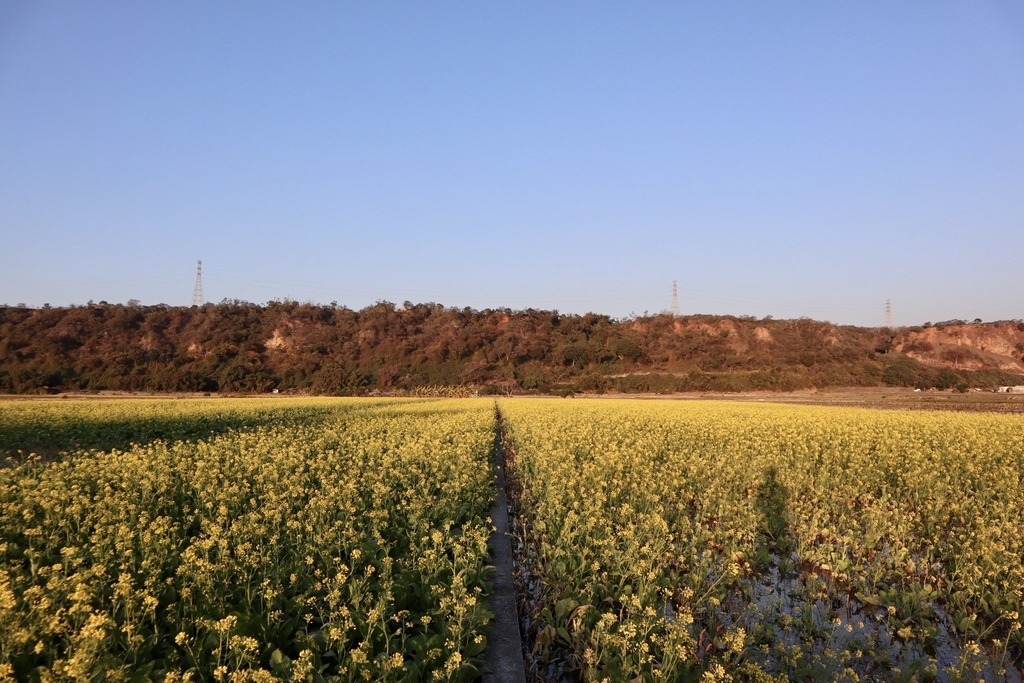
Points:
[(968, 347)]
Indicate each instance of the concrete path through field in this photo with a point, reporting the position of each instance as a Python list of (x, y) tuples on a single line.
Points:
[(504, 660)]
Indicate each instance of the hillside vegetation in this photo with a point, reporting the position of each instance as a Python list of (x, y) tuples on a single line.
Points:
[(242, 347)]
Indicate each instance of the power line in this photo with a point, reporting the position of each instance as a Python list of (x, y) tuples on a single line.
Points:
[(674, 307)]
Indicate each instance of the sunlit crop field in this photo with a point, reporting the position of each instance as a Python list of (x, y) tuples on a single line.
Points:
[(244, 540), (346, 539), (711, 541)]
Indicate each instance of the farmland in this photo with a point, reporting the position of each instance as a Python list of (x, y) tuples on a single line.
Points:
[(346, 539), (670, 541), (325, 539)]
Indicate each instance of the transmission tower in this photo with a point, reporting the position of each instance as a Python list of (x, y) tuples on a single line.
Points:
[(674, 307), (888, 313), (197, 291)]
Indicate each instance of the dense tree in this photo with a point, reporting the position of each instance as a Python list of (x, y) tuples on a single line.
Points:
[(236, 346)]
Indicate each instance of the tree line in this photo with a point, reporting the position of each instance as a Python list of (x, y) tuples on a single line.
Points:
[(236, 346)]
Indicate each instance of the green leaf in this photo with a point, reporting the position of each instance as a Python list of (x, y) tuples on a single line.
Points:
[(279, 661), (869, 599), (564, 607)]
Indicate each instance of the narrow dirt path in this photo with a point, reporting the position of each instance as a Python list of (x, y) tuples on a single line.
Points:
[(504, 659)]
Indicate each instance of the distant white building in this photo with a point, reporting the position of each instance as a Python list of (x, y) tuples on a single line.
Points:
[(1019, 389)]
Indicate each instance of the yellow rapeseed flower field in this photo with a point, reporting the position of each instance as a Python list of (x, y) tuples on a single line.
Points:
[(345, 539), (717, 541), (319, 539)]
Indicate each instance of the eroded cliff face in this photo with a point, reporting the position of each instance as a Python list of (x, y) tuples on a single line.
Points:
[(984, 346), (969, 347)]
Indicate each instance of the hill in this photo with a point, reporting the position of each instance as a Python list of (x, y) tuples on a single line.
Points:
[(242, 347), (967, 346)]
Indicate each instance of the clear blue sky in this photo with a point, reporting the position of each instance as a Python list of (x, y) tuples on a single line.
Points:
[(776, 158)]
